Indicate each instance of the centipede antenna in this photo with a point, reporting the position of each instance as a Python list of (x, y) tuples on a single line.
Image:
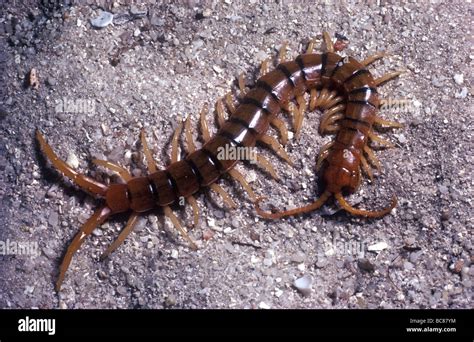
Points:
[(313, 206), (365, 213), (94, 221)]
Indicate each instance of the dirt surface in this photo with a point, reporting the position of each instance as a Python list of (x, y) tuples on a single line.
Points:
[(99, 87)]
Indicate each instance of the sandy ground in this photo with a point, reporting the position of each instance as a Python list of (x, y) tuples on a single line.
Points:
[(99, 87)]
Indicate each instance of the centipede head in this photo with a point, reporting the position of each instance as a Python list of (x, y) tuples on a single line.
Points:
[(117, 199)]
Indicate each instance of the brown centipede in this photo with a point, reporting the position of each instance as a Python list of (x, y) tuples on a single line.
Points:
[(282, 88)]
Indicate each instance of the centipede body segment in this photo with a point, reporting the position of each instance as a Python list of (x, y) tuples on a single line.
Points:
[(342, 87)]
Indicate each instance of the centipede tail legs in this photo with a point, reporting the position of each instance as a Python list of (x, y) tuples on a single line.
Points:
[(84, 182), (365, 213), (311, 207)]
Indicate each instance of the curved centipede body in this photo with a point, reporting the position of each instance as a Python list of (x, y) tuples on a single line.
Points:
[(325, 76), (342, 160)]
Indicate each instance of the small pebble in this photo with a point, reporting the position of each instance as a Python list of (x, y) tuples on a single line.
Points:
[(170, 300), (137, 11), (103, 20), (156, 20), (366, 265), (380, 246), (97, 232), (459, 79), (207, 234), (408, 266), (415, 256), (51, 81), (457, 266), (298, 257), (462, 94), (174, 254), (445, 215), (263, 305), (267, 262), (122, 290), (72, 160), (321, 263), (49, 252), (304, 284)]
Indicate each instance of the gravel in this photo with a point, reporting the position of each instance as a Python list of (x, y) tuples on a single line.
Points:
[(158, 62)]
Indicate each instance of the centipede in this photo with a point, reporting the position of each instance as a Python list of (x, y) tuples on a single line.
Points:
[(341, 87)]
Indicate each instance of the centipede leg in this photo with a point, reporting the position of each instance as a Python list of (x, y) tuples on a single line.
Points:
[(310, 48), (169, 213), (281, 127), (229, 101), (123, 173), (175, 140), (241, 179), (372, 158), (301, 109), (323, 154), (329, 122), (84, 182), (332, 100), (225, 196), (146, 150), (122, 236), (99, 217), (380, 140), (276, 147), (365, 213), (190, 146), (366, 168), (243, 90), (313, 206), (204, 127), (192, 200), (392, 124), (220, 113), (322, 96), (313, 98), (387, 77), (328, 42), (375, 57), (283, 52), (267, 166), (330, 116), (265, 68)]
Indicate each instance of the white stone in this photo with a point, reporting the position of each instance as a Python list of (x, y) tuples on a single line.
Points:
[(459, 79), (304, 284), (379, 246), (72, 160)]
